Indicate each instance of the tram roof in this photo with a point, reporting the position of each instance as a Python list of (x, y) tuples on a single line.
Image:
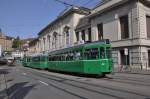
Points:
[(39, 54), (78, 47)]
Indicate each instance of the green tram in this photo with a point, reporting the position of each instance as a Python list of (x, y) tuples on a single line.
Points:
[(26, 61), (37, 61), (89, 58)]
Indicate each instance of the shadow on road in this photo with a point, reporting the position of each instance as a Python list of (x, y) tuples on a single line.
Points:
[(17, 91), (4, 71)]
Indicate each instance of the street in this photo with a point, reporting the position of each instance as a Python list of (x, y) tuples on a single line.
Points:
[(25, 83)]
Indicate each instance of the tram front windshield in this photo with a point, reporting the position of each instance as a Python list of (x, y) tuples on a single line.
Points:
[(108, 52)]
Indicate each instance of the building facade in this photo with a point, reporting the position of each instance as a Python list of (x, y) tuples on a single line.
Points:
[(125, 22), (60, 33), (6, 42), (33, 47)]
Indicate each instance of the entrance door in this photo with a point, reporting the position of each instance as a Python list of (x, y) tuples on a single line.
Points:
[(149, 58), (124, 58)]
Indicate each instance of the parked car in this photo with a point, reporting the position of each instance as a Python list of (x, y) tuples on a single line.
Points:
[(10, 60), (3, 60)]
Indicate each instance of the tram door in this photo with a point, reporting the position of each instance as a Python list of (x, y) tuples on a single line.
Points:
[(149, 58)]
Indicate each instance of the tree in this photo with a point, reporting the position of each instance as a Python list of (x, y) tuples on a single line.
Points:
[(16, 42)]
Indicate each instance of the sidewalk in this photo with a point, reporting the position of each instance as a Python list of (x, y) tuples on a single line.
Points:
[(3, 86), (133, 71)]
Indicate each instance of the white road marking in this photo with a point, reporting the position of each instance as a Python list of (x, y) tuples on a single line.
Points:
[(43, 83), (24, 73)]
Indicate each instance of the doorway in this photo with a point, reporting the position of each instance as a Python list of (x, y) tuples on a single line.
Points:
[(124, 59), (148, 58)]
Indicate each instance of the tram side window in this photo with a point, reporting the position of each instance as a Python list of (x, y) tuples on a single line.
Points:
[(69, 56), (50, 58), (63, 57), (94, 53), (36, 59), (102, 53), (59, 57), (25, 59), (87, 54), (43, 58), (28, 59), (77, 55), (91, 54)]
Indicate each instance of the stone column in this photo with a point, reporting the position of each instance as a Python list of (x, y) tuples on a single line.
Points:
[(80, 36), (86, 35), (43, 44), (50, 43), (64, 40), (41, 47)]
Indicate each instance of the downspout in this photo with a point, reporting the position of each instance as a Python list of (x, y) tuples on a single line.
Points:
[(132, 33)]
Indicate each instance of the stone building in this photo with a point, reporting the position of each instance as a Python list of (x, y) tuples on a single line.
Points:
[(125, 22), (60, 33), (6, 42), (33, 47)]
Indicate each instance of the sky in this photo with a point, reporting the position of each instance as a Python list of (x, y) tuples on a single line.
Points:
[(26, 18)]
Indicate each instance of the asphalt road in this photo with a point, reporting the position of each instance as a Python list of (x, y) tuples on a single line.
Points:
[(26, 83)]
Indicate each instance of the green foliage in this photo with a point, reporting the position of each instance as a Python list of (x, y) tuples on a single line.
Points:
[(16, 43)]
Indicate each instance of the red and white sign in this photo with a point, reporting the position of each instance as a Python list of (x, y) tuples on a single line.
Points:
[(125, 51)]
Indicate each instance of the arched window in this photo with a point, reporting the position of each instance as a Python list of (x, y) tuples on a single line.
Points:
[(67, 35), (54, 39)]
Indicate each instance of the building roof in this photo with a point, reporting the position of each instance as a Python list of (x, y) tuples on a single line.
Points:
[(109, 4), (101, 3), (84, 22), (26, 40), (33, 42), (103, 7), (9, 38), (80, 10)]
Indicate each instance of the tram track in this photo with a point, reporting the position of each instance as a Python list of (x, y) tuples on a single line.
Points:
[(131, 79), (132, 82), (136, 78), (64, 81)]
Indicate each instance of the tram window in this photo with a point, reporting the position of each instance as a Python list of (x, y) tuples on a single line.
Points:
[(28, 59), (59, 58), (43, 58), (87, 54), (102, 53), (56, 58), (108, 52), (94, 53), (36, 59), (53, 58), (50, 58), (77, 55), (67, 57), (71, 55), (91, 54), (63, 57)]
